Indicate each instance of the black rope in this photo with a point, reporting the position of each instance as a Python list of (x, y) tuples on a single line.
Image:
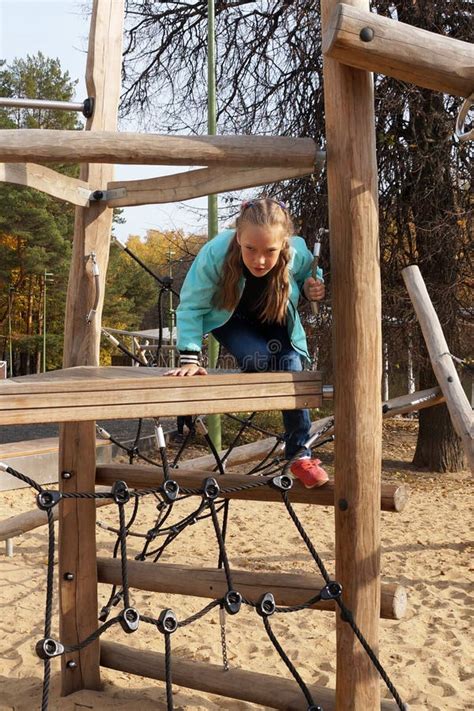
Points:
[(305, 537), (123, 556), (223, 552), (48, 608), (287, 661), (169, 683)]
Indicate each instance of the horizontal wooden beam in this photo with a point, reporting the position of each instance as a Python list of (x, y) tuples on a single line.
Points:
[(444, 369), (205, 181), (273, 692), (29, 520), (287, 588), (370, 41), (47, 181), (153, 149), (89, 393), (393, 498)]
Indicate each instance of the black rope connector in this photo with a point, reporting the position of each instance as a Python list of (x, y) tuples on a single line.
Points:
[(232, 602), (97, 195), (167, 622), (48, 499), (331, 591), (211, 488), (88, 107), (120, 492), (266, 605), (283, 482), (170, 489), (129, 620), (48, 648), (315, 708)]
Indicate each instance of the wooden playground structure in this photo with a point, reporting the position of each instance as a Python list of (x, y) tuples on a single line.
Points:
[(355, 42)]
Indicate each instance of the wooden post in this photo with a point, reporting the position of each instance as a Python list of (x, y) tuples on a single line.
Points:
[(77, 543), (443, 366), (353, 223)]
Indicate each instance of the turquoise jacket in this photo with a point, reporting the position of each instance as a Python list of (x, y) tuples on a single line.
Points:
[(196, 315)]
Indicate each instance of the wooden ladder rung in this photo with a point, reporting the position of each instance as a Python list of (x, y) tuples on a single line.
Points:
[(393, 496), (270, 691), (287, 588)]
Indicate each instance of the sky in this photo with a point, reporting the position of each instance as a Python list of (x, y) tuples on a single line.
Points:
[(60, 29)]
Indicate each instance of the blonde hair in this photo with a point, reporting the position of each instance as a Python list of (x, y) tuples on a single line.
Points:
[(269, 213)]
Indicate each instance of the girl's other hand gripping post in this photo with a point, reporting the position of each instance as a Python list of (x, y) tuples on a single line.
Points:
[(189, 369)]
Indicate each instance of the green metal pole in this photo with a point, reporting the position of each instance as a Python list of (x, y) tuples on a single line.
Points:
[(10, 345), (44, 324), (214, 421), (171, 312)]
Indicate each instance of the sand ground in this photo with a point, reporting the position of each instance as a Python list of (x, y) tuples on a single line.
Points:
[(428, 654)]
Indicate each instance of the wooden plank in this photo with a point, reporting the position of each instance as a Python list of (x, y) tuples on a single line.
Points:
[(393, 497), (446, 374), (399, 50), (81, 394), (205, 181), (108, 146), (268, 691), (77, 544), (287, 588), (48, 181), (353, 226)]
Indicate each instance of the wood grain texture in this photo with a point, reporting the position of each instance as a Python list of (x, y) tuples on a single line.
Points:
[(446, 374), (393, 497), (77, 543), (86, 393), (357, 353), (48, 181), (205, 181), (398, 50), (108, 146), (268, 691), (287, 588)]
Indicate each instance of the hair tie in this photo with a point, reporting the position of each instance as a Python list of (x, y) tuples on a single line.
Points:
[(246, 204)]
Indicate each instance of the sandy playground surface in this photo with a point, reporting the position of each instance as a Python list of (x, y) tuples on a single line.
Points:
[(428, 654)]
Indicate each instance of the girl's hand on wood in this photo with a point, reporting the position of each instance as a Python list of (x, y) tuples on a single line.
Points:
[(314, 290), (190, 369)]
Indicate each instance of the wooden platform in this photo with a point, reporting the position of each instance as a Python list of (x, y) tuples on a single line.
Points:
[(89, 393)]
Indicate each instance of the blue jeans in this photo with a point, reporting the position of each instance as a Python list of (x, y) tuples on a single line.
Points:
[(257, 348)]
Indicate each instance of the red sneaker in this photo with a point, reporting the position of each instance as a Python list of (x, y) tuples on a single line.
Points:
[(309, 472)]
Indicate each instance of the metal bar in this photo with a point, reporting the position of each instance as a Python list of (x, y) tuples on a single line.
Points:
[(41, 104)]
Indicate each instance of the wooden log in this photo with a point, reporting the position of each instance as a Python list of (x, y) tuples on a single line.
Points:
[(48, 181), (287, 588), (81, 394), (205, 181), (106, 146), (443, 366), (257, 450), (29, 520), (353, 226), (363, 39), (77, 544), (392, 496), (268, 691)]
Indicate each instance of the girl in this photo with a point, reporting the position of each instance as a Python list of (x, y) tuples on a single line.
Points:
[(243, 287)]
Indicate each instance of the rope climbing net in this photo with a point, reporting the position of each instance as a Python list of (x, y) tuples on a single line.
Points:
[(211, 504)]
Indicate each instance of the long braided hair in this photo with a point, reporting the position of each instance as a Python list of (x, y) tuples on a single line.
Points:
[(269, 213)]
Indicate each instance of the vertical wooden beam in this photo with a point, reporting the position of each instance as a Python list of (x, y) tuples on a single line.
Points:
[(353, 222), (77, 543)]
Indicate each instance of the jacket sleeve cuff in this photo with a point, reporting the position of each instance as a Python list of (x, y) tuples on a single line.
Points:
[(189, 357)]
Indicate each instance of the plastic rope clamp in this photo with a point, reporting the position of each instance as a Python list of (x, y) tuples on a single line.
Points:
[(331, 591), (266, 605), (283, 482), (171, 489), (232, 602), (211, 488), (120, 492), (48, 648), (315, 708), (129, 620), (167, 622), (48, 499)]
